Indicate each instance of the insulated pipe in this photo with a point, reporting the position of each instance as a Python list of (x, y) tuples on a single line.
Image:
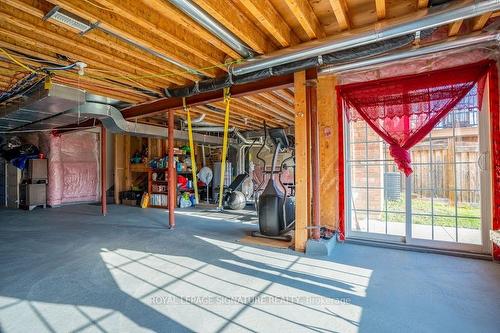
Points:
[(172, 182), (412, 23), (450, 44), (104, 207), (201, 17)]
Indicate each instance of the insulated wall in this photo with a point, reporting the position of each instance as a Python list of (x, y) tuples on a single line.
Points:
[(73, 168)]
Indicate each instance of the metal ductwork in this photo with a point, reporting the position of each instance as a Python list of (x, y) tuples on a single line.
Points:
[(450, 44), (37, 108), (46, 109), (113, 120), (205, 20), (412, 23)]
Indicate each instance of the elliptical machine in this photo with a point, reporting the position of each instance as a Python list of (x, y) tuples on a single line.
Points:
[(275, 209)]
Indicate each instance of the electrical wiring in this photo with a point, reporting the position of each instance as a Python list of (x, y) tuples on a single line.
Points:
[(17, 61)]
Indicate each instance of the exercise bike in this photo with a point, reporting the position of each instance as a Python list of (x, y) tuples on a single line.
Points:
[(276, 210)]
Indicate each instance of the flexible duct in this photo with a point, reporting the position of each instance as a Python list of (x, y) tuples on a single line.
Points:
[(229, 80), (450, 44), (409, 24)]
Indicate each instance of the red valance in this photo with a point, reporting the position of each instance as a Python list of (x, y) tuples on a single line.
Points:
[(403, 110)]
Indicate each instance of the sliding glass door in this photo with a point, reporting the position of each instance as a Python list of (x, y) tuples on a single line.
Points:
[(442, 204)]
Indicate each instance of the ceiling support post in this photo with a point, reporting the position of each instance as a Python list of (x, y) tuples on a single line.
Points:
[(172, 182)]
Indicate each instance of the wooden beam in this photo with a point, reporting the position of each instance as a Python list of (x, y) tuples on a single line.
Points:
[(479, 22), (454, 28), (341, 12), (172, 13), (271, 20), (328, 152), (134, 32), (228, 15), (160, 105), (302, 164), (30, 40), (421, 4), (160, 26), (380, 8), (38, 9), (46, 32), (270, 110), (304, 13)]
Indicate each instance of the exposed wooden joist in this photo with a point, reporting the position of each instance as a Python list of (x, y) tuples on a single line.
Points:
[(31, 40), (271, 20), (454, 28), (157, 24), (134, 32), (39, 8), (380, 8), (259, 103), (169, 11), (302, 10), (44, 31), (479, 22), (342, 13), (226, 13), (421, 4), (35, 52)]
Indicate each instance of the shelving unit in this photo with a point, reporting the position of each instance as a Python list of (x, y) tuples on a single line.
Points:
[(158, 189)]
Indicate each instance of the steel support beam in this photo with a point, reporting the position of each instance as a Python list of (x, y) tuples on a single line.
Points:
[(104, 207), (172, 181)]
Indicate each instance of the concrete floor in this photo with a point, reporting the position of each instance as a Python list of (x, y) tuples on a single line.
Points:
[(71, 270)]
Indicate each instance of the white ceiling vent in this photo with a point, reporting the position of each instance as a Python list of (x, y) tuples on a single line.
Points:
[(59, 15)]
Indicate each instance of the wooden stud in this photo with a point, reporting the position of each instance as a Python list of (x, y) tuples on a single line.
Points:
[(302, 163), (342, 13), (302, 10), (328, 139)]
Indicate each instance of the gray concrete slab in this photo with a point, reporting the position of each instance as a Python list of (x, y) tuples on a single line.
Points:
[(70, 270)]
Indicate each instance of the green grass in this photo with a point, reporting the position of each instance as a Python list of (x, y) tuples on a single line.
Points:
[(468, 214)]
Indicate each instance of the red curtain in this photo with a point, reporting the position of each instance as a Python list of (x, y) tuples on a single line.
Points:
[(403, 110)]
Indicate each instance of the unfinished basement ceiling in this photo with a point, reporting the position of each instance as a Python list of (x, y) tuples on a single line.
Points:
[(136, 48)]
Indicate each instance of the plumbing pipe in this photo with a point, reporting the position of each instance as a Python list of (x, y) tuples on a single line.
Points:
[(205, 20), (408, 24)]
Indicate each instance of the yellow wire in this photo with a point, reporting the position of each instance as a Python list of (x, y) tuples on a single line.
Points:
[(227, 99), (17, 61), (191, 148)]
